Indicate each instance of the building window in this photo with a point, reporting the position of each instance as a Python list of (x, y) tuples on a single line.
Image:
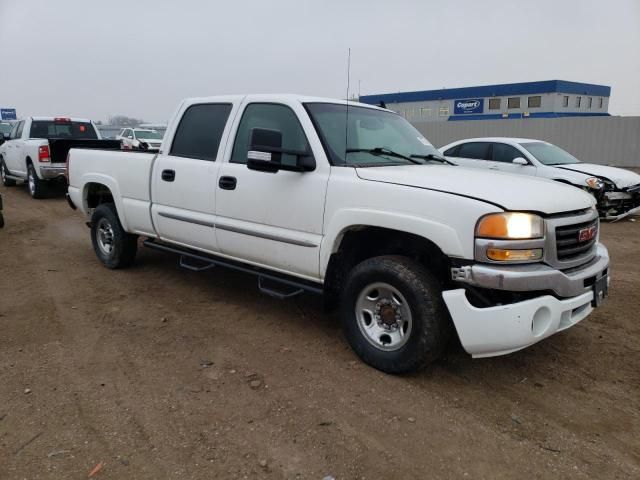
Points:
[(565, 101), (494, 104), (534, 102), (578, 101), (444, 111), (513, 102), (601, 102), (589, 102), (425, 112)]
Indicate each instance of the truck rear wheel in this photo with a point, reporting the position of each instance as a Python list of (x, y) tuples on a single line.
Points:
[(7, 182), (113, 246), (393, 314), (37, 187)]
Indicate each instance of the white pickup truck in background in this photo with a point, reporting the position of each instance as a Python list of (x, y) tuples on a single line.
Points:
[(349, 200), (37, 147)]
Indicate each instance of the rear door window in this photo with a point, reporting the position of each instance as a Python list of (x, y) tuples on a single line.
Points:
[(501, 152), (474, 150), (200, 131)]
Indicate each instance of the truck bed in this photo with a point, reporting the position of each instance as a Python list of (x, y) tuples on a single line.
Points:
[(59, 147)]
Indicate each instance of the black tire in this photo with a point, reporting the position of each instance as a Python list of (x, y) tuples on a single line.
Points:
[(430, 323), (37, 188), (7, 182), (106, 230), (1, 220)]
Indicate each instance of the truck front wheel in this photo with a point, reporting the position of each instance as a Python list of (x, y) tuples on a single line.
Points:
[(393, 314), (6, 181), (113, 246)]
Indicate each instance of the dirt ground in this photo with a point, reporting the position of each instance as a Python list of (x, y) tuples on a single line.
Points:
[(161, 373)]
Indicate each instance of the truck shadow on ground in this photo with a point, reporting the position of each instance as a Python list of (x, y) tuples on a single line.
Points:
[(307, 311)]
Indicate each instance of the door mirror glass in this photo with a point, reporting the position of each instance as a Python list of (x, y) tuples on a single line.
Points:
[(520, 161), (265, 153)]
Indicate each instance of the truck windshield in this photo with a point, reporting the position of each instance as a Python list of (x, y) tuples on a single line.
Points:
[(148, 134), (68, 129), (370, 133), (549, 154)]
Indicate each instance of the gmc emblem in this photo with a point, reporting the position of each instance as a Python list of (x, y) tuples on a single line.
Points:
[(587, 234)]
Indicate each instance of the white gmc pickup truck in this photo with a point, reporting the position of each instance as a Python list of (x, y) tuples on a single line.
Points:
[(349, 200)]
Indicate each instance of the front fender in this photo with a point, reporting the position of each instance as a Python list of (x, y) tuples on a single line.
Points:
[(444, 236)]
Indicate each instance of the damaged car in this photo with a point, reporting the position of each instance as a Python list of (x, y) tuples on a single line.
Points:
[(616, 190)]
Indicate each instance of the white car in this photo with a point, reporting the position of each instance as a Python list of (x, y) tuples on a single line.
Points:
[(616, 190), (140, 139), (350, 200)]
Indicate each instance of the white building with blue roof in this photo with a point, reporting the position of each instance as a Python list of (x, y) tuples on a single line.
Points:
[(545, 99)]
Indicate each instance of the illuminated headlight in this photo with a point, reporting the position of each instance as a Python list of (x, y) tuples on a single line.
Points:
[(510, 226), (595, 183)]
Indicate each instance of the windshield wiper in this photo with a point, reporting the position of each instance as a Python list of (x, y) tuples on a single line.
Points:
[(431, 156), (383, 151)]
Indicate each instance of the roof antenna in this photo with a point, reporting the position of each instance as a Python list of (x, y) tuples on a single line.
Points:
[(346, 125)]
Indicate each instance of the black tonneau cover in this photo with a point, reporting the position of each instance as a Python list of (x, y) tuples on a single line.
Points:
[(59, 147)]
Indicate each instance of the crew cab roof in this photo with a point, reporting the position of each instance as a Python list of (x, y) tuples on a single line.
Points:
[(277, 97), (51, 119)]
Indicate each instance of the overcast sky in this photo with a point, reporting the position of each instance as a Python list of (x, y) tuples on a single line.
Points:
[(98, 58)]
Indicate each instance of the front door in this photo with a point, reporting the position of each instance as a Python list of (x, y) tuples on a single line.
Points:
[(184, 177), (272, 219), (503, 156)]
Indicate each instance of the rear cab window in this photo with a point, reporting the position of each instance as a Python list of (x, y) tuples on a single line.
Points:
[(200, 131), (50, 129)]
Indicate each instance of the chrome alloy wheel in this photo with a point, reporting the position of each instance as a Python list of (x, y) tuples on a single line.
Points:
[(32, 181), (384, 316), (104, 232)]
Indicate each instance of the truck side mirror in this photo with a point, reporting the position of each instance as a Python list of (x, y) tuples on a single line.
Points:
[(265, 153), (520, 161)]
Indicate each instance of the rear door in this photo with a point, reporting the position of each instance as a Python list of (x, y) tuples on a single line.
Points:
[(471, 154), (273, 219), (185, 173)]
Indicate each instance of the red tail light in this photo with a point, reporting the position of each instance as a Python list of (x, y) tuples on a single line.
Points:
[(43, 153), (61, 120)]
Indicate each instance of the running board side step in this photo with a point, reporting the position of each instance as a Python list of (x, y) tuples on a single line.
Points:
[(198, 262)]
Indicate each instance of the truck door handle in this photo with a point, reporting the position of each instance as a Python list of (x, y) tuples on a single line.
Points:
[(227, 183), (168, 175)]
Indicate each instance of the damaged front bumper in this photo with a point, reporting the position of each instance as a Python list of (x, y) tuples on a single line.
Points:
[(499, 329), (493, 331)]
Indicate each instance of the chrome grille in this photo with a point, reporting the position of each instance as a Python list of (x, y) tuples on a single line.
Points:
[(568, 243)]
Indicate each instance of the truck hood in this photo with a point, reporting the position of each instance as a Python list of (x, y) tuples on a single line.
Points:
[(510, 192), (621, 177)]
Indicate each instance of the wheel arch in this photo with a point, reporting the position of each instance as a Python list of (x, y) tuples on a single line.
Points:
[(100, 190), (360, 242)]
